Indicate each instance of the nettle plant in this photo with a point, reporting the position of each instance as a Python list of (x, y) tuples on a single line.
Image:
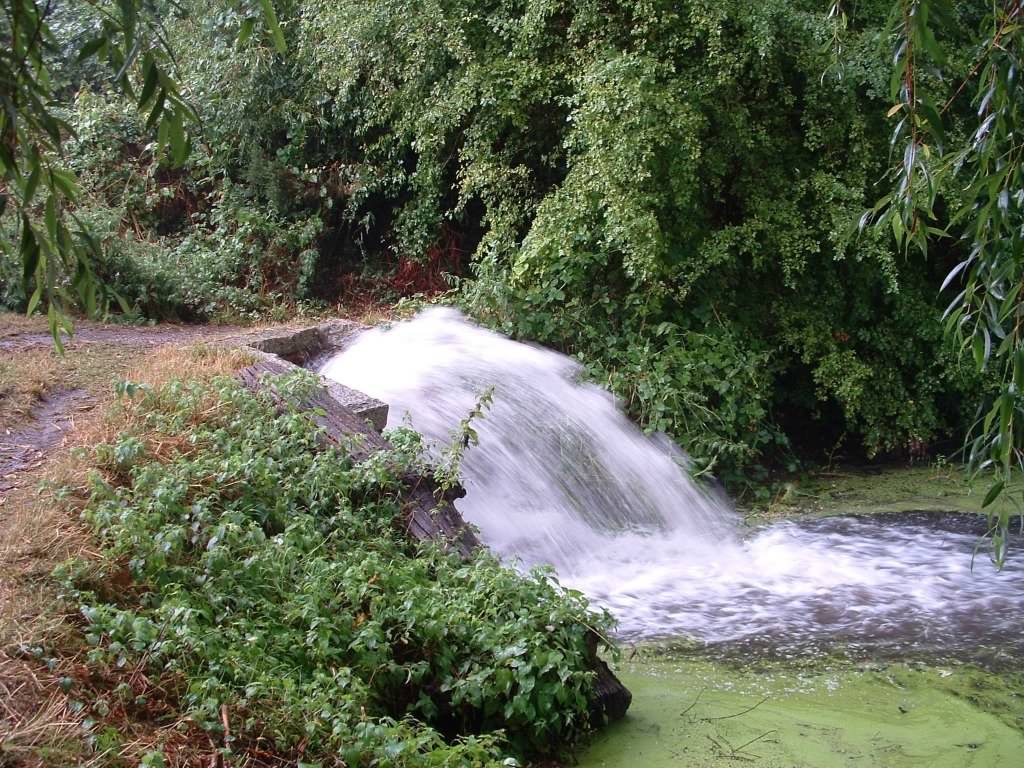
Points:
[(275, 578)]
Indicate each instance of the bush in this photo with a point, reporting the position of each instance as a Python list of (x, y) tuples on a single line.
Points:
[(668, 190), (277, 579)]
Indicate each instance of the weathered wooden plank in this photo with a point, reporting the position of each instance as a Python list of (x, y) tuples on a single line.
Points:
[(611, 697)]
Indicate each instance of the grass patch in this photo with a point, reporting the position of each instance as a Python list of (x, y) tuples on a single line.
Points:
[(248, 597), (40, 641)]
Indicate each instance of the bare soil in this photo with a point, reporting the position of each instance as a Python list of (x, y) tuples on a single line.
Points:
[(28, 336), (28, 446)]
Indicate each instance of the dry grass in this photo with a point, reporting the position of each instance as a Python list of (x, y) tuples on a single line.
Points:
[(15, 323), (28, 375), (37, 726), (199, 362), (40, 643)]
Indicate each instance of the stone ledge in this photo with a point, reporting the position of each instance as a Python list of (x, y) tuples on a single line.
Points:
[(310, 347)]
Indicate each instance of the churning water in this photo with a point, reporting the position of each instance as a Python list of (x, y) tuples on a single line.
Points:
[(561, 477)]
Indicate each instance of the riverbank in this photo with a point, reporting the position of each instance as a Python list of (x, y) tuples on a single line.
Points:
[(688, 708), (935, 486)]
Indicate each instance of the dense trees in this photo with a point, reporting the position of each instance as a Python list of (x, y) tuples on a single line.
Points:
[(670, 190), (49, 50)]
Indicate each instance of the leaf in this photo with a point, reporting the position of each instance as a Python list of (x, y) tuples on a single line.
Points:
[(270, 17), (149, 86), (993, 494), (7, 163), (129, 60), (897, 229), (162, 135), (51, 219), (29, 250), (893, 110), (65, 181), (953, 273), (54, 316), (33, 302), (92, 47), (934, 120), (1005, 412), (157, 110), (978, 344), (245, 31), (178, 138), (33, 182)]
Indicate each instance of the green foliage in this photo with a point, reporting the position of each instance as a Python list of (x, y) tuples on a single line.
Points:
[(171, 242), (447, 471), (276, 579), (691, 237), (961, 176), (57, 254), (669, 191)]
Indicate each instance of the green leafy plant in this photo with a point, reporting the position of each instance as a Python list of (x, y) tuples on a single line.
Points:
[(57, 253), (275, 579), (959, 176), (447, 471), (668, 191)]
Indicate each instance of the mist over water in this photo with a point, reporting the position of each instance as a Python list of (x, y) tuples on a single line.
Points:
[(561, 477)]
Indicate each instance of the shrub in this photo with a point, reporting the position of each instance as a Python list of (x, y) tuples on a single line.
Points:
[(276, 578)]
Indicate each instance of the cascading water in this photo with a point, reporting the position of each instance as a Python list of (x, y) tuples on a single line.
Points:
[(561, 477)]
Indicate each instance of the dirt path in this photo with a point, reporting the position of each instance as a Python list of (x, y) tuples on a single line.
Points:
[(26, 448), (16, 340)]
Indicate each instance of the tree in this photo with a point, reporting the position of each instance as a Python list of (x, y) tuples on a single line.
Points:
[(56, 251), (968, 185)]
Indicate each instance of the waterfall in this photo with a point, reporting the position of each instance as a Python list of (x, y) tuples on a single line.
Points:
[(562, 477)]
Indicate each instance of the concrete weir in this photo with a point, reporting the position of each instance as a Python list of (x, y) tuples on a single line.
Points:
[(307, 347)]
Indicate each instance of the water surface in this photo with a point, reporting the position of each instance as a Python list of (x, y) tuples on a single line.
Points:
[(562, 478)]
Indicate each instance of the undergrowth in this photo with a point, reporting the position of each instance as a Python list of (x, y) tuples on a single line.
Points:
[(273, 588)]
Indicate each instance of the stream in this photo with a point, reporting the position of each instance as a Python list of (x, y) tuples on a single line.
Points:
[(561, 477), (847, 640)]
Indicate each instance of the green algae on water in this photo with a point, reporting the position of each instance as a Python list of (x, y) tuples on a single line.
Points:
[(862, 491), (699, 714)]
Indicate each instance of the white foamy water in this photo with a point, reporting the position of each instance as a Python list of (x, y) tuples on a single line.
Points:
[(561, 477)]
